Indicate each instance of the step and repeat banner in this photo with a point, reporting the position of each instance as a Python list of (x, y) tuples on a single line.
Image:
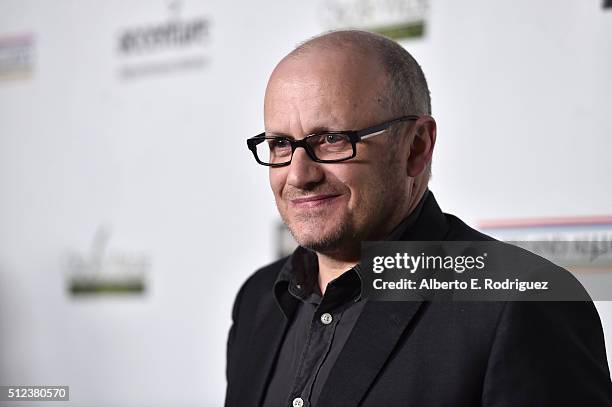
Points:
[(131, 208)]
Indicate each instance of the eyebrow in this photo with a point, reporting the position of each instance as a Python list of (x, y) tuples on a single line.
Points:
[(315, 130)]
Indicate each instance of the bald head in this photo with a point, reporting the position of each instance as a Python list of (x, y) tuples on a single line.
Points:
[(396, 81), (340, 87), (405, 90)]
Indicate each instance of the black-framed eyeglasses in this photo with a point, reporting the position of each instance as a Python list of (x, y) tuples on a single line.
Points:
[(324, 147)]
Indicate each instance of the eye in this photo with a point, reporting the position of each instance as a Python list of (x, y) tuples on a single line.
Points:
[(279, 143), (335, 138)]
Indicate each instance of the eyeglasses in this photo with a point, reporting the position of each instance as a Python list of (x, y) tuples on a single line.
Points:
[(324, 147)]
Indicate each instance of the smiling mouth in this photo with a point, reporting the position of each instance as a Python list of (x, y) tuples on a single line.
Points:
[(313, 201)]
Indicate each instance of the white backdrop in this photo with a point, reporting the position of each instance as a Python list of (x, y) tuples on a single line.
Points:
[(521, 91)]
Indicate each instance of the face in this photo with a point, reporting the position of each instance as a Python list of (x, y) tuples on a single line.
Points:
[(334, 206)]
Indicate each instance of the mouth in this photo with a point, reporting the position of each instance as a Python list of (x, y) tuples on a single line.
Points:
[(314, 201)]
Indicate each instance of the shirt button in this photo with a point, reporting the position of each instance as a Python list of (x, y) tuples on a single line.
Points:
[(298, 402), (326, 318)]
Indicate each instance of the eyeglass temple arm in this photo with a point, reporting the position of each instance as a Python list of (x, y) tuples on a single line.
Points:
[(380, 128)]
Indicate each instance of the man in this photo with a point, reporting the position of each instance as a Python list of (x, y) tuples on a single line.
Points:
[(302, 333)]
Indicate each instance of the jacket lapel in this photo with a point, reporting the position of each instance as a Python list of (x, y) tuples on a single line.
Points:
[(264, 346), (377, 331)]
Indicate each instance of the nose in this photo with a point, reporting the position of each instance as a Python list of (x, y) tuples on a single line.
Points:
[(303, 172)]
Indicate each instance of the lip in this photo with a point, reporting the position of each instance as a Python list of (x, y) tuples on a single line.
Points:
[(313, 201)]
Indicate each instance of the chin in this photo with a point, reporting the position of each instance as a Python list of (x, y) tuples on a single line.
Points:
[(320, 237)]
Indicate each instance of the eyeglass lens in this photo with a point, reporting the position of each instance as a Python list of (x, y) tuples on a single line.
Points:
[(330, 146)]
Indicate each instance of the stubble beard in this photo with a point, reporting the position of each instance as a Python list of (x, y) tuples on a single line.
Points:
[(309, 231), (338, 233)]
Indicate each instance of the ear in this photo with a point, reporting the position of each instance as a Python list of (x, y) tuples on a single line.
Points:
[(422, 145)]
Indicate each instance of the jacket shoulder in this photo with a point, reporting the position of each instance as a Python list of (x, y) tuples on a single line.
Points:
[(459, 230), (262, 280), (258, 287)]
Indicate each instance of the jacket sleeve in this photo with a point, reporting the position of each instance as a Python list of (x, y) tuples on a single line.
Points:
[(548, 354), (230, 357)]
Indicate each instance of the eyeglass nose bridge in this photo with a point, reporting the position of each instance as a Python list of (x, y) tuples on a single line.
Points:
[(295, 144)]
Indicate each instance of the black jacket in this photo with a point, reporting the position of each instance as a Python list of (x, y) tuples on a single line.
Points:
[(433, 353)]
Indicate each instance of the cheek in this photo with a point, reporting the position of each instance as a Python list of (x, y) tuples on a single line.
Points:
[(353, 182), (277, 179), (364, 179), (368, 191)]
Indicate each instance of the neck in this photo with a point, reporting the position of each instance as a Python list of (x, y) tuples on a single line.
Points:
[(418, 190)]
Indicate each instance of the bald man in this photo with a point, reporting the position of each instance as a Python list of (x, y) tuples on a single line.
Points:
[(348, 142)]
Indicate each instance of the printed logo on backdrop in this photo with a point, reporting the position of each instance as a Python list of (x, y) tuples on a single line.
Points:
[(177, 42), (17, 54), (103, 271), (397, 19), (582, 245)]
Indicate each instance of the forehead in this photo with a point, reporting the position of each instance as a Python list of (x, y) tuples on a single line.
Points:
[(325, 87)]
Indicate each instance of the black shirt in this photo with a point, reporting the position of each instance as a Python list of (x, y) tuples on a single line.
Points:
[(320, 325)]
